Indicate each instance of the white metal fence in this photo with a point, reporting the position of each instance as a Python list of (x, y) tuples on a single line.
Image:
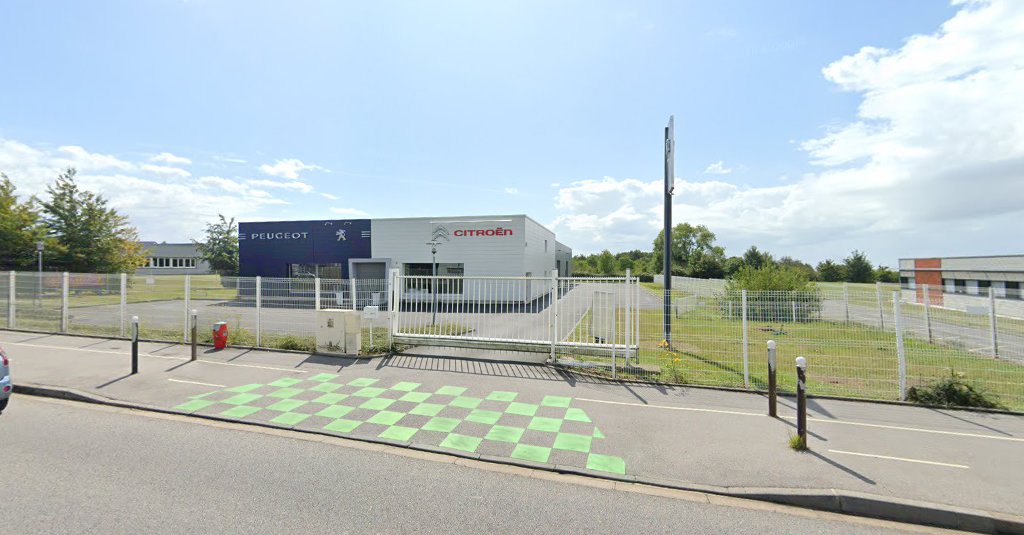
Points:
[(559, 316), (868, 341), (260, 312)]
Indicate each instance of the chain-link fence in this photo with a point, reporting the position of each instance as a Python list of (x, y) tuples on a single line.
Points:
[(861, 340)]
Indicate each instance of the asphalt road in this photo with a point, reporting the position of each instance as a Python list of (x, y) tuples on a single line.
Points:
[(78, 468)]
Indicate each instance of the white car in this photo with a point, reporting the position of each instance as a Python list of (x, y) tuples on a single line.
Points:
[(5, 380)]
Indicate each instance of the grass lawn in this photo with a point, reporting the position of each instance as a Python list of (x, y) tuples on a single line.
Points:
[(843, 359)]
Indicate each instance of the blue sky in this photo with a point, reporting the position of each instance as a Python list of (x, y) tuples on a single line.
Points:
[(553, 109)]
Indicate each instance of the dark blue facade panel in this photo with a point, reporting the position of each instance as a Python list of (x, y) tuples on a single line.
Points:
[(267, 248)]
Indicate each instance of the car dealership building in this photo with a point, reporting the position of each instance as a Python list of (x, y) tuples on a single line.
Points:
[(509, 246)]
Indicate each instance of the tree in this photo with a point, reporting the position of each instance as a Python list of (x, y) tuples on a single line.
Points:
[(885, 274), (803, 267), (757, 259), (732, 265), (19, 228), (606, 264), (89, 236), (689, 245), (220, 247), (773, 294), (858, 268), (829, 271)]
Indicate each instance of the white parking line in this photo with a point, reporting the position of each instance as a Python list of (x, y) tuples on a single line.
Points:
[(814, 421), (918, 461), (196, 383), (150, 355), (691, 409)]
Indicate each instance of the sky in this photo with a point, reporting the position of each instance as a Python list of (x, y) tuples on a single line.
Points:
[(806, 128)]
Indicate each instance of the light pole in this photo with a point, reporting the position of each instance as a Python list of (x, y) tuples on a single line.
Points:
[(433, 281), (39, 277)]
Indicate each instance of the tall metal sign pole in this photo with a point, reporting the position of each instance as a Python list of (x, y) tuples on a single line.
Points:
[(670, 184)]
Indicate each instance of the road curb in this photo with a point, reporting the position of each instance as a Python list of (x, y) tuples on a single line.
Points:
[(831, 500)]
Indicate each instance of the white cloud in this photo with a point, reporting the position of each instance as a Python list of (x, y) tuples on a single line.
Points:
[(83, 160), (166, 157), (289, 168), (161, 208), (717, 168), (329, 196), (224, 184), (350, 212), (296, 185), (166, 171), (932, 164), (512, 191)]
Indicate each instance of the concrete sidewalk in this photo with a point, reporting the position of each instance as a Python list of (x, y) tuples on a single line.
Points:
[(949, 468)]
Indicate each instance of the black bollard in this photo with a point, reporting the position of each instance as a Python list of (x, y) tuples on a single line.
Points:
[(195, 327), (772, 385), (135, 345), (801, 399)]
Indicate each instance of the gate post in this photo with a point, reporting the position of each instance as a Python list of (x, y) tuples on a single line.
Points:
[(553, 313), (316, 293), (629, 315), (395, 305), (352, 290)]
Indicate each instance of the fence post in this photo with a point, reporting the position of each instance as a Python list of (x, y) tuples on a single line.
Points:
[(316, 293), (878, 296), (928, 312), (395, 305), (993, 322), (629, 317), (259, 309), (188, 297), (124, 301), (64, 282), (12, 294), (901, 356), (794, 311), (553, 314), (746, 349), (352, 290), (846, 300), (772, 385)]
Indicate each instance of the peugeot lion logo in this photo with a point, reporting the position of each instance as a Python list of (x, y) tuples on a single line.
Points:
[(341, 235), (440, 232)]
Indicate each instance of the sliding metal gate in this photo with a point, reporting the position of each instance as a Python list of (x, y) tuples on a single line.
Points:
[(583, 319)]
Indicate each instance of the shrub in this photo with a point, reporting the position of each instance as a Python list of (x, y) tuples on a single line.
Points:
[(953, 391), (294, 343), (773, 294)]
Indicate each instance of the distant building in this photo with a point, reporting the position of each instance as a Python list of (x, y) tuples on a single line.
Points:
[(964, 275), (173, 259)]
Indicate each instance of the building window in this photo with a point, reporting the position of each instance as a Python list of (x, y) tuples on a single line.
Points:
[(959, 286), (310, 271), (545, 246), (1013, 290), (449, 278), (984, 287)]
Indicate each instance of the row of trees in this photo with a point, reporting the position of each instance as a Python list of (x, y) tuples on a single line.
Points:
[(695, 254), (77, 228)]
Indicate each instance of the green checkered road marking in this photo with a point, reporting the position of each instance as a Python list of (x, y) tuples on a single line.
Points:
[(498, 423), (290, 418)]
